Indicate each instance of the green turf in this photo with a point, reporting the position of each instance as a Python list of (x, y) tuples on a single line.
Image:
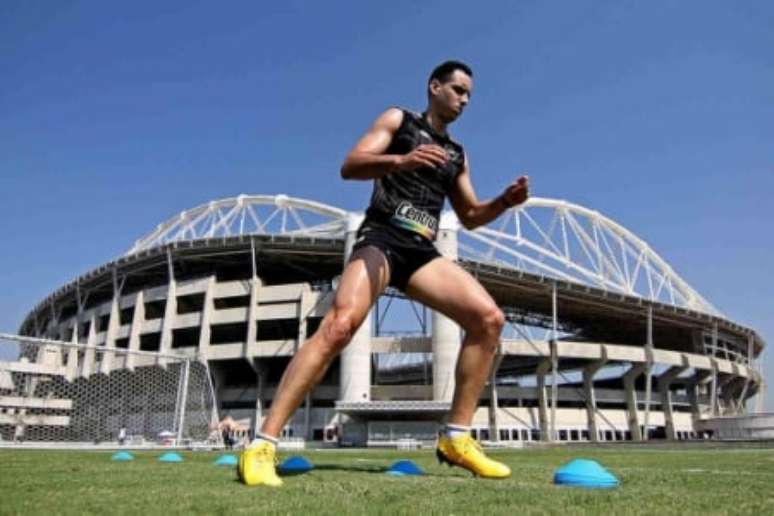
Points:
[(653, 481)]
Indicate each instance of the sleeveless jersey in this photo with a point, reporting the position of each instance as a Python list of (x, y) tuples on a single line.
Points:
[(413, 199)]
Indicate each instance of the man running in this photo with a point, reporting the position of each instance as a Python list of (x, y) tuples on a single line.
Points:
[(415, 165)]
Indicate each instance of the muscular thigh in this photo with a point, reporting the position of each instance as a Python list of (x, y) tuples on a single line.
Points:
[(364, 278), (448, 288)]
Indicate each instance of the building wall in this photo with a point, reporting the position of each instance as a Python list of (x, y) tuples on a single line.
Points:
[(208, 318)]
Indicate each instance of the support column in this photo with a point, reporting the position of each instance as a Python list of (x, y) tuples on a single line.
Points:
[(648, 371), (697, 342), (692, 388), (732, 394), (208, 308), (304, 306), (664, 381), (741, 407), (591, 398), (761, 389), (255, 284), (73, 353), (217, 376), (714, 388), (750, 349), (494, 427), (446, 337), (52, 355), (88, 365), (91, 338), (742, 403), (260, 371), (355, 381), (138, 319), (110, 335), (170, 311), (71, 366), (554, 343), (722, 389), (308, 417), (112, 328), (540, 373), (631, 399)]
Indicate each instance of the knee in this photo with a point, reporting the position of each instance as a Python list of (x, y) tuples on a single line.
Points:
[(488, 325), (494, 320), (339, 330)]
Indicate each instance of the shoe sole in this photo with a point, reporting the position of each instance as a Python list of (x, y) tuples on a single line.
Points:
[(443, 459)]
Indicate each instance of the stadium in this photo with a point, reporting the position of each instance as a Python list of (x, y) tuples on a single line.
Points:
[(604, 341)]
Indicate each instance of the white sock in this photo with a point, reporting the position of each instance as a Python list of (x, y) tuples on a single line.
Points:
[(259, 438), (453, 431)]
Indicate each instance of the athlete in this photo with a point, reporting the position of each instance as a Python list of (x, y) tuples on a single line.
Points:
[(415, 166)]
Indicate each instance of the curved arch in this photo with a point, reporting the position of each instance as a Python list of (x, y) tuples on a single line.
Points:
[(248, 214), (563, 240), (549, 237)]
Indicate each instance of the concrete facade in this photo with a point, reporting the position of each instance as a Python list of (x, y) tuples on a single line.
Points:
[(301, 303), (656, 370)]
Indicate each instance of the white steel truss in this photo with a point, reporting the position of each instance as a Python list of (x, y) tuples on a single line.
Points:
[(249, 214), (547, 237), (562, 240)]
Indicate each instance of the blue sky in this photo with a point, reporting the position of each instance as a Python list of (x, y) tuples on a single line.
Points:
[(116, 116)]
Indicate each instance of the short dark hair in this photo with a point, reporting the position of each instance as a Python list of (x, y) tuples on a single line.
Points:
[(444, 70)]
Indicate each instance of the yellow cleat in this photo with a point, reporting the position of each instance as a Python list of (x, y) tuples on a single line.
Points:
[(466, 452), (257, 465)]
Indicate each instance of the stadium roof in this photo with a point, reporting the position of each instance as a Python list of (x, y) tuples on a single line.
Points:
[(602, 268), (547, 237)]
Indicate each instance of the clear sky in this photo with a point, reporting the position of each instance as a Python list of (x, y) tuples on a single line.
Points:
[(115, 116)]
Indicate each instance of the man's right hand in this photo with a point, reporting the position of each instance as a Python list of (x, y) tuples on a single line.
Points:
[(426, 155)]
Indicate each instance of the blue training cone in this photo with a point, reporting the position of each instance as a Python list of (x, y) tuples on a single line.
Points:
[(123, 456), (403, 468), (226, 460), (295, 465), (170, 457), (585, 473)]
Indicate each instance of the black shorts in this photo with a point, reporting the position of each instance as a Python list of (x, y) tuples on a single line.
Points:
[(405, 251)]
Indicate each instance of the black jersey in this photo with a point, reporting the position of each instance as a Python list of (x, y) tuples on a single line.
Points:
[(413, 199)]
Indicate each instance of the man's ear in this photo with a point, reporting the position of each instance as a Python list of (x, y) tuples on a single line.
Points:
[(434, 87)]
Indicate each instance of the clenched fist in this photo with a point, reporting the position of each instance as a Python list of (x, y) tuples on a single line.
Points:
[(516, 193)]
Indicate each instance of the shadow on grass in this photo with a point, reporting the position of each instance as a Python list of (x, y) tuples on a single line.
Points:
[(353, 468), (364, 468)]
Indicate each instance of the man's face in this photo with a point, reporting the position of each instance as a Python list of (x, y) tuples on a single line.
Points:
[(449, 98)]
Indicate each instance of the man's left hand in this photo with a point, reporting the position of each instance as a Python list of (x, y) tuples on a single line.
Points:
[(517, 192)]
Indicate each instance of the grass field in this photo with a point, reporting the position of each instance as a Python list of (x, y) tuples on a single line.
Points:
[(653, 481)]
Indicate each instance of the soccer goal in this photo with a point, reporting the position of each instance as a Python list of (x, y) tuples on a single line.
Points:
[(61, 393)]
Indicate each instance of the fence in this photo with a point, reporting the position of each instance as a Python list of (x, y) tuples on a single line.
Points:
[(68, 394)]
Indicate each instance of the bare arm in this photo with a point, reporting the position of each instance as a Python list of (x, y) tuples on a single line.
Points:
[(472, 212), (367, 160)]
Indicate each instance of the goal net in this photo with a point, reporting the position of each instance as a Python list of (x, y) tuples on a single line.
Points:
[(67, 393)]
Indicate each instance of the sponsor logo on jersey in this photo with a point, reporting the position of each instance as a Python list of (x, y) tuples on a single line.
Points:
[(413, 219), (452, 153)]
